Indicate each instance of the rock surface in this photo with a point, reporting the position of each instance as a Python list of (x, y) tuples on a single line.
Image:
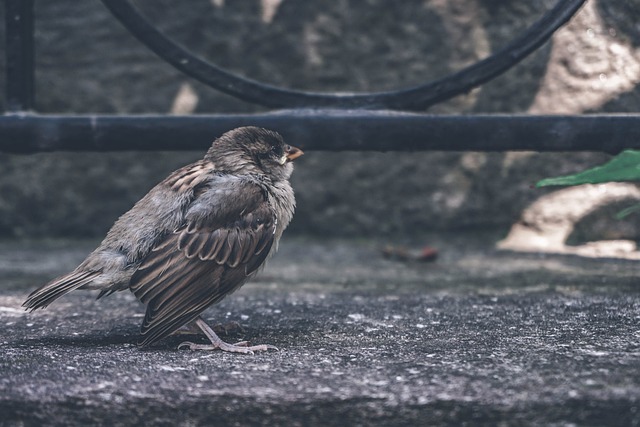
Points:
[(478, 337)]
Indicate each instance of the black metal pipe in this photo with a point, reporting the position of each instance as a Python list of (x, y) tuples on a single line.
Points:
[(327, 130), (19, 52), (413, 98)]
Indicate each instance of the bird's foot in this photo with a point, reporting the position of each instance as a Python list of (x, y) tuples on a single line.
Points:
[(218, 344), (241, 347)]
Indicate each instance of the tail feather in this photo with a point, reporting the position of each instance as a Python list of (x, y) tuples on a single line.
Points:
[(45, 295)]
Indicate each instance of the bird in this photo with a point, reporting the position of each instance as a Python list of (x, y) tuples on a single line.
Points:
[(194, 238)]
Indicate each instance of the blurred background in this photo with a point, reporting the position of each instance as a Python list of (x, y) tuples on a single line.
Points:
[(86, 62)]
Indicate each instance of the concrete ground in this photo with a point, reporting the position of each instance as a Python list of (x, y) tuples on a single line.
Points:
[(478, 337)]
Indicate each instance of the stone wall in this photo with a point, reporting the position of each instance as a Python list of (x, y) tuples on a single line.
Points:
[(88, 63)]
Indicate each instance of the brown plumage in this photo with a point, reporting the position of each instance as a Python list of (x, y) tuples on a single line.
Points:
[(195, 237)]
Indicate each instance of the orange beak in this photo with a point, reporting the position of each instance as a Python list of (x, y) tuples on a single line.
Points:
[(293, 153)]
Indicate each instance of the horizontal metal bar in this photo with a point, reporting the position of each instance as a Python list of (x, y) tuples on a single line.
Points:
[(328, 130)]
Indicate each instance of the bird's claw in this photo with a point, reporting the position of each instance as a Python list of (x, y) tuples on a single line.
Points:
[(241, 347)]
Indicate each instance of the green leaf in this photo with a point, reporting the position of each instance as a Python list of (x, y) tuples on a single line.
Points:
[(623, 167)]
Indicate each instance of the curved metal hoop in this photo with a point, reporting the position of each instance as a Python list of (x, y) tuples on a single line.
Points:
[(413, 98)]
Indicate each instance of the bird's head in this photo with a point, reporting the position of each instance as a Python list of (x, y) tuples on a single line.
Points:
[(254, 150)]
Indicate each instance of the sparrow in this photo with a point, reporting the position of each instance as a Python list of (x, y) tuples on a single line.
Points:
[(194, 238)]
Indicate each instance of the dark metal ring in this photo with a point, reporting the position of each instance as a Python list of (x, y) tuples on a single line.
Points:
[(413, 98)]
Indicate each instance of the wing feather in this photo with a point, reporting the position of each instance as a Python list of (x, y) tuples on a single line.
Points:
[(199, 264)]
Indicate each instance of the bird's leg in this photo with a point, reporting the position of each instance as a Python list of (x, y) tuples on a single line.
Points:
[(217, 343)]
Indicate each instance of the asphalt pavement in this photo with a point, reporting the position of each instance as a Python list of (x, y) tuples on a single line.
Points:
[(475, 337)]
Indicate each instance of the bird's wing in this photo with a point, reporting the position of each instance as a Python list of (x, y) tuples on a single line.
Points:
[(197, 265)]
